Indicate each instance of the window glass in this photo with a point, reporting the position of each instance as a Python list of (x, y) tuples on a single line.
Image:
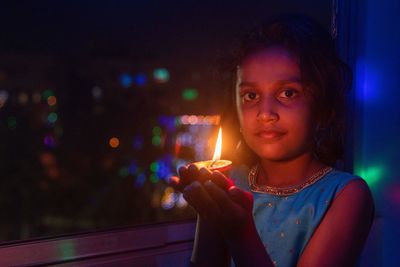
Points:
[(101, 101)]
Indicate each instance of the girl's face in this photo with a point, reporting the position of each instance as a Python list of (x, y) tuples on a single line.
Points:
[(273, 107)]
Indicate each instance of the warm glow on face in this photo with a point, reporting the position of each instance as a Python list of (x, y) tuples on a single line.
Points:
[(218, 146)]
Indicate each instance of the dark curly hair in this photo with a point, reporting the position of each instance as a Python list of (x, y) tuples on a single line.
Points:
[(324, 75)]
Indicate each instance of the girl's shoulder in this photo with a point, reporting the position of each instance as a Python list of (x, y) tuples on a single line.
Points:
[(336, 180)]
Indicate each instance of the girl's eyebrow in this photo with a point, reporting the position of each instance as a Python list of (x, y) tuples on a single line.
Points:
[(294, 79)]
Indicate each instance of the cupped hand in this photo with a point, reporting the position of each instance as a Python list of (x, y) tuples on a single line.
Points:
[(189, 174), (215, 198)]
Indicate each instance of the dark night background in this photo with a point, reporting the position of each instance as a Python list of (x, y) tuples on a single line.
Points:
[(58, 173)]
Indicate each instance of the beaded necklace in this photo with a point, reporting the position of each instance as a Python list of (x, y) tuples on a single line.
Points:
[(283, 191)]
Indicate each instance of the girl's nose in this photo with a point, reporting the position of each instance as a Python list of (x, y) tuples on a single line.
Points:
[(267, 111)]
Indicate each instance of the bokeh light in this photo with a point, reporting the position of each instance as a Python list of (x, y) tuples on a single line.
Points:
[(157, 130), (190, 94), (371, 174), (52, 100), (168, 122), (49, 141), (156, 140), (97, 92), (36, 98), (3, 97), (140, 180), (154, 166), (199, 120), (140, 79), (23, 98), (161, 75), (113, 142), (181, 202), (154, 178), (133, 168), (193, 120), (47, 93), (125, 80), (168, 199), (52, 117)]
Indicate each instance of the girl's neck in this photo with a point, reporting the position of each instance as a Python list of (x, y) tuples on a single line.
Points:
[(288, 173)]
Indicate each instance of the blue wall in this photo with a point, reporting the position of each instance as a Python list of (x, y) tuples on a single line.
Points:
[(376, 37)]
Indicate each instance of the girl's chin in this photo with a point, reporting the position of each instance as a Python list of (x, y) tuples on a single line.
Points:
[(277, 155)]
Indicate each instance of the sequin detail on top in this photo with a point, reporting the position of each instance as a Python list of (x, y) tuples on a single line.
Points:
[(283, 191)]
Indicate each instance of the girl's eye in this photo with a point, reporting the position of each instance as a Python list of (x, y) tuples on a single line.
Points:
[(288, 93), (250, 96)]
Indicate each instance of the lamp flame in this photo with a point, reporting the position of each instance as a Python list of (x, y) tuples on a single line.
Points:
[(218, 146)]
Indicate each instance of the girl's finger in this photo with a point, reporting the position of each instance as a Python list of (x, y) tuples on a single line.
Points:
[(221, 180), (175, 182), (193, 171), (184, 176), (200, 200), (204, 174), (220, 196)]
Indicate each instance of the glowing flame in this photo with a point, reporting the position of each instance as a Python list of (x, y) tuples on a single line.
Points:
[(218, 146)]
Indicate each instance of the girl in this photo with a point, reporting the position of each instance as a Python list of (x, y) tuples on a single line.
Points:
[(295, 209)]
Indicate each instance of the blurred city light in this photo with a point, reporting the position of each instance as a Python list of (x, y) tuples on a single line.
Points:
[(52, 117), (3, 97), (52, 100), (23, 98), (125, 80), (161, 75), (114, 142), (140, 79), (190, 94)]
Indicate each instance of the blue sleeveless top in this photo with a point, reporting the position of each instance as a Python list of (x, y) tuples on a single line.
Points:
[(286, 223)]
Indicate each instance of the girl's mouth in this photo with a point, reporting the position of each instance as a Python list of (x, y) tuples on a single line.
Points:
[(270, 134)]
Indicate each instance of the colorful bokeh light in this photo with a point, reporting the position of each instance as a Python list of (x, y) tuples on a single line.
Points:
[(97, 92), (126, 80), (154, 178), (3, 97), (190, 94), (23, 98), (47, 93), (140, 79), (168, 199), (36, 98), (51, 100), (199, 120), (156, 140), (154, 166), (371, 174), (52, 117), (140, 180), (161, 75), (113, 142), (157, 131), (49, 141)]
